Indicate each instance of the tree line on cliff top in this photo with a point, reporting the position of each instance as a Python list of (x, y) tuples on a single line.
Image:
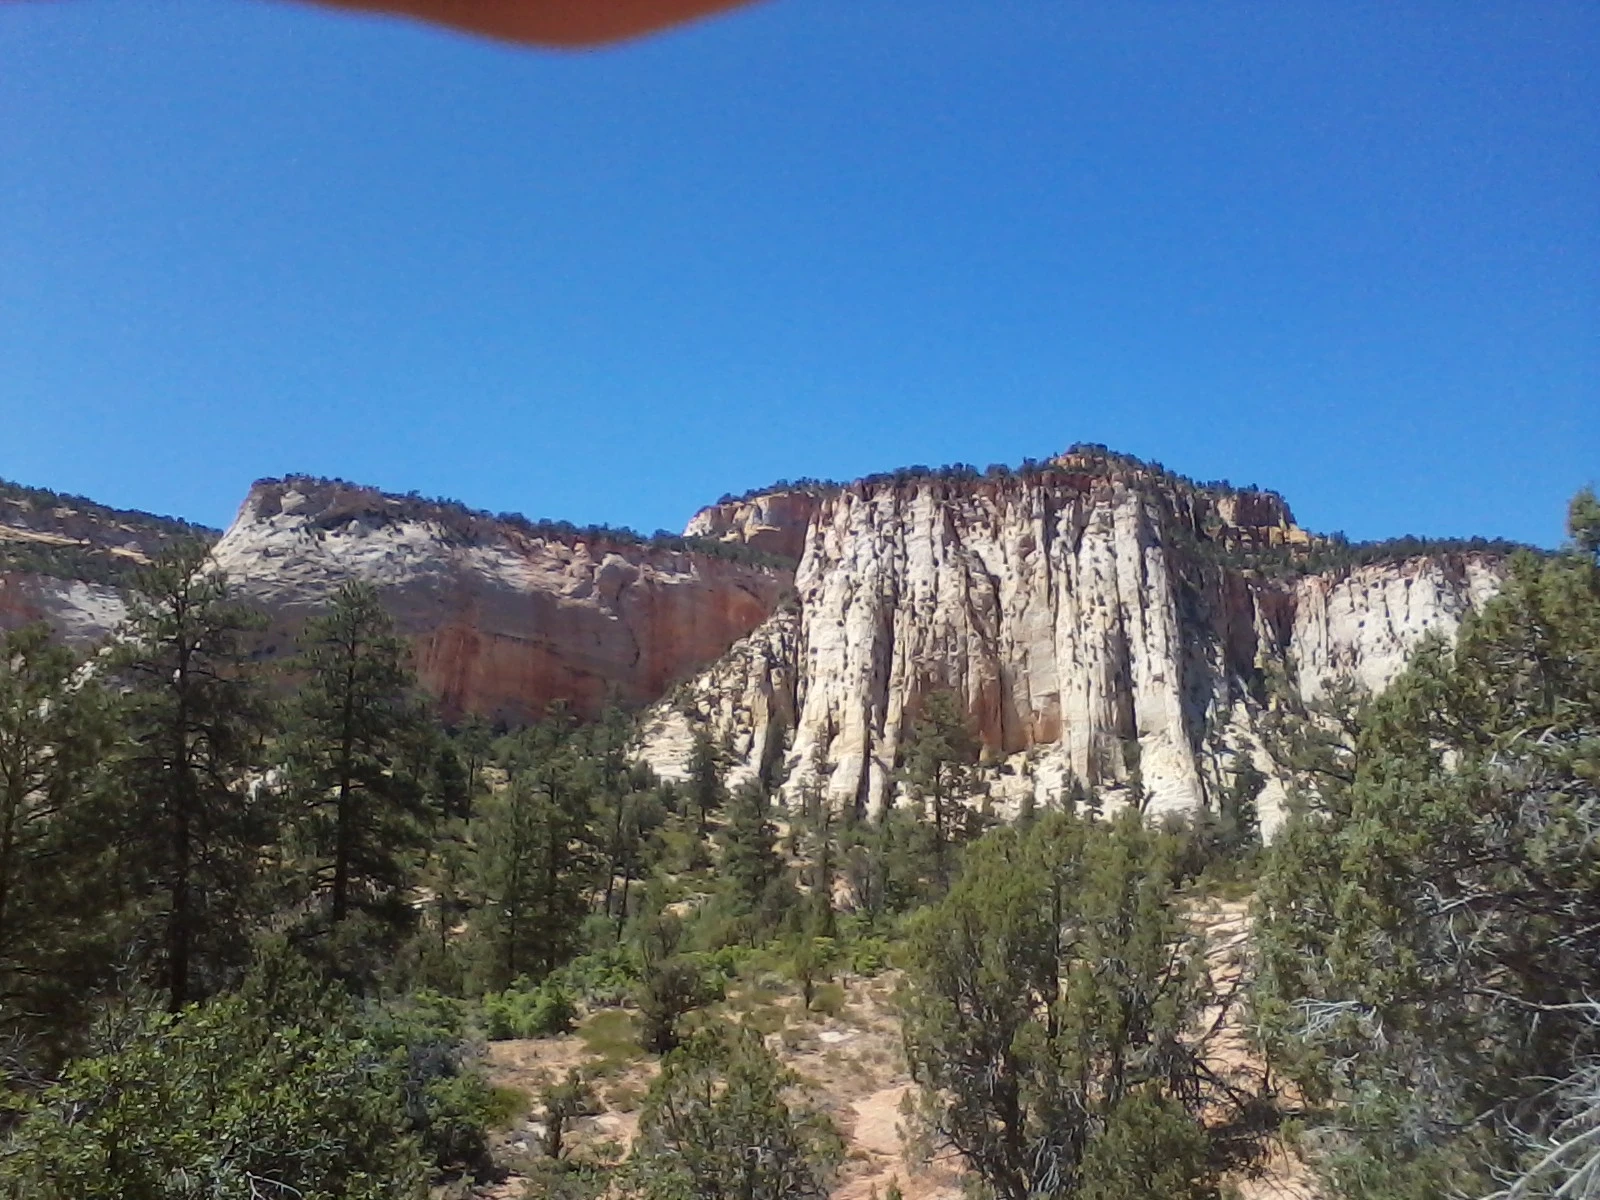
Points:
[(32, 507), (251, 938), (1320, 553), (474, 525)]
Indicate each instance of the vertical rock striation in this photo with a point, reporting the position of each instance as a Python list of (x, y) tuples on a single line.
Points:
[(1099, 619), (1095, 617)]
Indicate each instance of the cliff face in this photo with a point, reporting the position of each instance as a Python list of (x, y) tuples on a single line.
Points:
[(1095, 616), (503, 618), (1090, 621), (775, 523)]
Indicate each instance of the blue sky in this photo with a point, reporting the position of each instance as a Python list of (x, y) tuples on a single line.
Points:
[(1347, 250)]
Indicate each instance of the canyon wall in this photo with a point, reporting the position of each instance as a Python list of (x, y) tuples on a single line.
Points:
[(504, 617), (1098, 618), (1090, 621)]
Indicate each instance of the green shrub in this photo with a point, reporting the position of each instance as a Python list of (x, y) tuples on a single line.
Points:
[(765, 1019), (718, 1098), (505, 1107), (601, 979), (448, 1103), (611, 1036), (549, 1179), (829, 999), (867, 956), (451, 1112), (718, 966), (274, 1090), (524, 1012), (1149, 1147)]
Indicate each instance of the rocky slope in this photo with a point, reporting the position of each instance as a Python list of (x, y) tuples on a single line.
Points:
[(504, 616), (1094, 615), (64, 560)]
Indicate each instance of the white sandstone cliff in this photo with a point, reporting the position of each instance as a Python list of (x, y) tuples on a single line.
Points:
[(503, 617), (1077, 616)]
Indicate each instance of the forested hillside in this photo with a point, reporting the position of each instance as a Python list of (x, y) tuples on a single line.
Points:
[(70, 537), (272, 930)]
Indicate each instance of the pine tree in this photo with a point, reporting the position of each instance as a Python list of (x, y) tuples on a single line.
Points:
[(450, 784), (192, 832), (811, 964), (629, 809), (718, 1124), (473, 744), (824, 850), (447, 876), (707, 792), (1428, 917), (938, 764), (750, 860), (1238, 822), (635, 844), (535, 872), (55, 730), (508, 834), (358, 801), (670, 986)]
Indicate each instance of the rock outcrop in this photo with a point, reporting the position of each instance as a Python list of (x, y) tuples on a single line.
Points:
[(79, 613), (504, 616), (1095, 617), (774, 522)]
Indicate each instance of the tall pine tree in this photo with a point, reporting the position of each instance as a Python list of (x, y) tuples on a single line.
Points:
[(750, 860), (535, 869), (357, 802), (938, 765), (191, 829), (707, 791)]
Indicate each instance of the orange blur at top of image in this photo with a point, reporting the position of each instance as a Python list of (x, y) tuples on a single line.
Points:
[(570, 23)]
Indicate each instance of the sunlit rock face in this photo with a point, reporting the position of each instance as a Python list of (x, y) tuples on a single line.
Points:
[(1094, 620), (1097, 617), (504, 617), (775, 522), (79, 613)]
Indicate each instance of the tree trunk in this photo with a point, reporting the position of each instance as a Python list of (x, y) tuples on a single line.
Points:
[(179, 943), (344, 835), (8, 848), (622, 910)]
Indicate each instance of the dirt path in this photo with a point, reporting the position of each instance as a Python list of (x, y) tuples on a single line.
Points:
[(877, 1155)]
